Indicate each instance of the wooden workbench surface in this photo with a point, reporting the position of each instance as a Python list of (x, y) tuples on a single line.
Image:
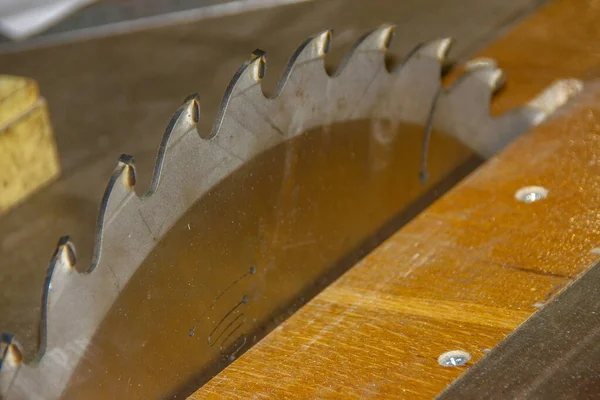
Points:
[(472, 267)]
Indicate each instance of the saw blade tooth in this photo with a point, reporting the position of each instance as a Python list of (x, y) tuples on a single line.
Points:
[(119, 189), (419, 73), (183, 120), (471, 94), (246, 78), (63, 262), (438, 49), (464, 111), (486, 71), (429, 55), (477, 85), (62, 266), (364, 69), (315, 48), (377, 40)]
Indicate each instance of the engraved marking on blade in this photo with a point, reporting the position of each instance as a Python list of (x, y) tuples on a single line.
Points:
[(251, 271), (241, 317)]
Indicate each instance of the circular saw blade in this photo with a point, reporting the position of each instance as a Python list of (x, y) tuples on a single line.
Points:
[(191, 165)]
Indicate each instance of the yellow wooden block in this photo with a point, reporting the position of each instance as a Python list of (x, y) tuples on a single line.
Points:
[(28, 156), (17, 95)]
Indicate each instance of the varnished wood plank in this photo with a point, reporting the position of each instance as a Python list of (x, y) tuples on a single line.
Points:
[(553, 355), (468, 270)]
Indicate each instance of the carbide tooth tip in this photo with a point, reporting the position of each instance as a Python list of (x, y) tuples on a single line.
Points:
[(443, 47), (387, 34), (13, 355), (127, 162), (323, 41), (193, 102), (379, 39), (437, 49), (196, 110), (496, 79), (187, 116), (258, 64), (65, 250), (486, 70), (482, 62)]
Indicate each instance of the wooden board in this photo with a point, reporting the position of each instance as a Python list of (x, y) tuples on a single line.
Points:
[(553, 355), (472, 267), (28, 158)]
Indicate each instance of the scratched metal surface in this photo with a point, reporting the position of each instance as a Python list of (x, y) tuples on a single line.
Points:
[(115, 94)]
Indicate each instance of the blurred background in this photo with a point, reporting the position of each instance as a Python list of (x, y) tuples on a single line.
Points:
[(105, 77)]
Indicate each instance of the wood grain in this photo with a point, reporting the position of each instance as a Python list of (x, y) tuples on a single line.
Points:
[(472, 267), (28, 158)]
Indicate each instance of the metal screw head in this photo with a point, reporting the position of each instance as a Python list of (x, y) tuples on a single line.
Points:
[(454, 358), (529, 194)]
